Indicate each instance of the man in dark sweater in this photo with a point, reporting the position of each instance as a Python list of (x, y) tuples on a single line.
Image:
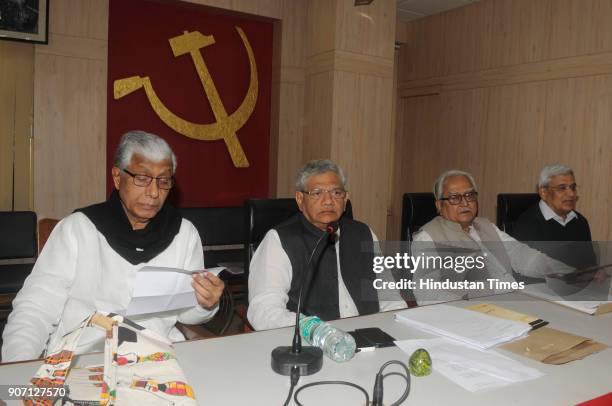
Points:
[(553, 226)]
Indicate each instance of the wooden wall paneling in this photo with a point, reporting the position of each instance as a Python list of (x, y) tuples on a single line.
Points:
[(275, 108), (23, 177), (362, 29), (7, 126), (534, 36), (318, 116), (16, 74), (70, 134), (79, 18), (602, 38), (577, 130), (429, 42), (599, 186), (293, 35), (496, 33), (505, 34), (291, 93), (320, 29), (392, 182), (510, 160), (291, 140), (362, 135)]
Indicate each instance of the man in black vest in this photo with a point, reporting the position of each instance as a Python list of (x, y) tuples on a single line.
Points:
[(553, 225), (342, 285)]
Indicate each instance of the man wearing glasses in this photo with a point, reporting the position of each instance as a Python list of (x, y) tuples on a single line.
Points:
[(553, 225), (342, 284), (92, 256), (459, 232)]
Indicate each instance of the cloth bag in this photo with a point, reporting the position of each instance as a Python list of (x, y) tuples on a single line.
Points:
[(140, 368)]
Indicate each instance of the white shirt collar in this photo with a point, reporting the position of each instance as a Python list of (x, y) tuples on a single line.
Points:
[(549, 213)]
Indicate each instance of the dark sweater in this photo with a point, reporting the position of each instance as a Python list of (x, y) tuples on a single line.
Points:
[(570, 243)]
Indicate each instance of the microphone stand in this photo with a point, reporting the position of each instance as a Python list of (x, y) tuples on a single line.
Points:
[(308, 360)]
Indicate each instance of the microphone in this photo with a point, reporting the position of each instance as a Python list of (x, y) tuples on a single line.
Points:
[(308, 360)]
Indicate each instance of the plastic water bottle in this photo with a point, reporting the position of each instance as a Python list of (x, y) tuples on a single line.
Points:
[(335, 343)]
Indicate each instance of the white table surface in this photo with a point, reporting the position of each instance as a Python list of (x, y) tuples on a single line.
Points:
[(236, 370)]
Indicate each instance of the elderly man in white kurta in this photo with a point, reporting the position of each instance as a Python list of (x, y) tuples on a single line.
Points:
[(92, 257)]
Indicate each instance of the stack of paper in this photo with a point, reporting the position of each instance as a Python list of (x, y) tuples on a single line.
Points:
[(469, 368), (469, 327)]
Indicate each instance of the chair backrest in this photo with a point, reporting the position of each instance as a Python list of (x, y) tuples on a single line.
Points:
[(417, 210), (263, 214), (45, 226), (18, 236), (219, 324), (510, 206), (17, 242), (221, 230)]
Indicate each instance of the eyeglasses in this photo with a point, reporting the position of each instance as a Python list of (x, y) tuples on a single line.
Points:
[(455, 199), (563, 187), (163, 182), (316, 194)]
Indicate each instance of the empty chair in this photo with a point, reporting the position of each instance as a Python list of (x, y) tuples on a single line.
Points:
[(222, 232), (18, 248), (417, 210), (510, 206)]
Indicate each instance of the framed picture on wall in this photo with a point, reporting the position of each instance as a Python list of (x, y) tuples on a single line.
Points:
[(24, 20)]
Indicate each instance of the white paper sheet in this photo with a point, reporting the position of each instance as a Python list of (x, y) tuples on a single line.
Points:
[(577, 301), (159, 289), (470, 368), (473, 328)]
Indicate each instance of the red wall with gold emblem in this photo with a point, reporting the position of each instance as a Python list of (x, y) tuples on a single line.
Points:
[(138, 45)]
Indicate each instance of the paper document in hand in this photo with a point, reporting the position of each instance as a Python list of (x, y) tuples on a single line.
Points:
[(158, 289), (470, 368), (469, 327)]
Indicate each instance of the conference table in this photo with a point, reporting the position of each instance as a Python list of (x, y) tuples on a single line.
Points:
[(236, 370)]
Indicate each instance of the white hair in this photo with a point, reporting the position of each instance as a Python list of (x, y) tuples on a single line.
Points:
[(317, 167), (150, 146), (550, 171), (439, 184)]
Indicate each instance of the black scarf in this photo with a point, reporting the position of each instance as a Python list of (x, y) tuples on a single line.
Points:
[(135, 246)]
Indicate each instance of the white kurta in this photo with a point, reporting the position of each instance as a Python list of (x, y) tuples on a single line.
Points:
[(79, 273)]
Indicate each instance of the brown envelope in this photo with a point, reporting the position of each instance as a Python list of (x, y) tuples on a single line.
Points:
[(552, 346)]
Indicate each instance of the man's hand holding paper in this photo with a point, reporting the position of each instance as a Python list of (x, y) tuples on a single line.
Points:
[(208, 288)]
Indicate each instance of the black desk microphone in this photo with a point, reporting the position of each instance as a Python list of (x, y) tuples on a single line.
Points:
[(309, 360)]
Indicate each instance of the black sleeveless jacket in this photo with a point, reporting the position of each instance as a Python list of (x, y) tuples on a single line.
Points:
[(298, 238)]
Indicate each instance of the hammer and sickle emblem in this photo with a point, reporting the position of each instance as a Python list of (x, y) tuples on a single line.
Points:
[(226, 125)]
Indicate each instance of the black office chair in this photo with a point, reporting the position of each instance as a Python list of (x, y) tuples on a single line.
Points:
[(263, 214), (222, 234), (417, 210), (510, 206), (18, 241)]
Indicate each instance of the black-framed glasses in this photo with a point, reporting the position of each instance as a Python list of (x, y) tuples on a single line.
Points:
[(316, 194), (163, 182), (563, 187), (456, 198)]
